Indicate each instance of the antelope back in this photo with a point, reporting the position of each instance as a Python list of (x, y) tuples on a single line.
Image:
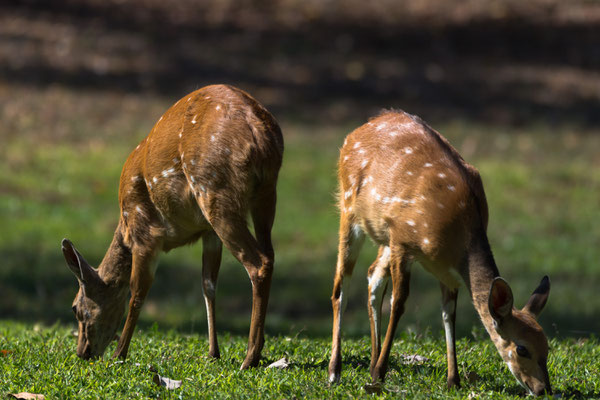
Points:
[(396, 173), (217, 142)]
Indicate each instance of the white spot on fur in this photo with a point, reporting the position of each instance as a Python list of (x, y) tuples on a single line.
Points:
[(175, 160), (346, 158), (155, 179), (218, 107), (139, 209), (137, 147), (428, 165), (409, 173), (189, 98), (168, 172), (180, 133), (361, 151), (425, 241), (212, 138), (364, 163), (440, 206), (194, 119), (381, 126), (348, 194), (451, 188), (125, 214), (411, 222), (408, 150), (441, 175), (193, 162), (192, 179), (135, 178), (356, 145)]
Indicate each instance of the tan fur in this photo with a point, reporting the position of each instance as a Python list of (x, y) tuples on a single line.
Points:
[(211, 159), (403, 185)]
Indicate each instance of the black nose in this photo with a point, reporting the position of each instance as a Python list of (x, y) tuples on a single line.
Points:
[(85, 354)]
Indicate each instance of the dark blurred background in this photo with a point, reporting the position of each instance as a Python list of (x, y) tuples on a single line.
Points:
[(505, 61)]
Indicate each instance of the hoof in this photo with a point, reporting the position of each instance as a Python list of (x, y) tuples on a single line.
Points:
[(334, 378)]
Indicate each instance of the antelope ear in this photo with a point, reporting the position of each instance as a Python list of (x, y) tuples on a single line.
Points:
[(538, 298), (500, 300), (84, 273)]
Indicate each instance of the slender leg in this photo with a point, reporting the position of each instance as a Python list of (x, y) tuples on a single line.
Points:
[(263, 215), (142, 276), (211, 261), (378, 279), (400, 288), (229, 223), (449, 317), (351, 239)]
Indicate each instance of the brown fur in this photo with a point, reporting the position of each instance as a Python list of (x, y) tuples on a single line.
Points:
[(405, 186), (211, 159)]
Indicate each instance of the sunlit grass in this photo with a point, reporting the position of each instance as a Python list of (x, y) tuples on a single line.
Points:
[(42, 360)]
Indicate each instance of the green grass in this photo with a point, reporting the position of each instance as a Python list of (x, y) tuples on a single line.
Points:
[(42, 360)]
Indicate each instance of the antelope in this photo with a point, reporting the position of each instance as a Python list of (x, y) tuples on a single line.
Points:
[(403, 184), (210, 160)]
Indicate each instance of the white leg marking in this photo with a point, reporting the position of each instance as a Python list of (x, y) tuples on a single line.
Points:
[(377, 284), (446, 317)]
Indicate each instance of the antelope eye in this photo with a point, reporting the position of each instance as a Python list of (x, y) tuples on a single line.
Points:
[(523, 352), (74, 308)]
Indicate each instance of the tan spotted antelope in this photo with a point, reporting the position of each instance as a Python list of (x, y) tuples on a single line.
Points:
[(403, 185), (211, 159)]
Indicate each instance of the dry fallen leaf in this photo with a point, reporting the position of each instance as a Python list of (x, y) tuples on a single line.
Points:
[(414, 359), (5, 352), (25, 396), (167, 383), (281, 364)]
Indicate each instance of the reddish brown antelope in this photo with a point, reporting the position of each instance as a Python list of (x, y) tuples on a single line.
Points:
[(410, 191), (211, 159)]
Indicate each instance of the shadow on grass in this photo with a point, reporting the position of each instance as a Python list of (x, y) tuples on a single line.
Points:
[(37, 286)]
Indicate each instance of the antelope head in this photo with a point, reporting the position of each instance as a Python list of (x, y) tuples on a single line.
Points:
[(519, 338), (98, 307)]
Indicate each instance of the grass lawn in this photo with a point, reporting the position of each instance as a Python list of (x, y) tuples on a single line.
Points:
[(60, 175), (41, 360)]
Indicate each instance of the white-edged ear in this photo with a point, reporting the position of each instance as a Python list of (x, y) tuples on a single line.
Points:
[(538, 298), (85, 274), (500, 300)]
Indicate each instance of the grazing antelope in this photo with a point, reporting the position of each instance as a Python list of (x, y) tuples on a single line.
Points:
[(210, 159), (410, 191)]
